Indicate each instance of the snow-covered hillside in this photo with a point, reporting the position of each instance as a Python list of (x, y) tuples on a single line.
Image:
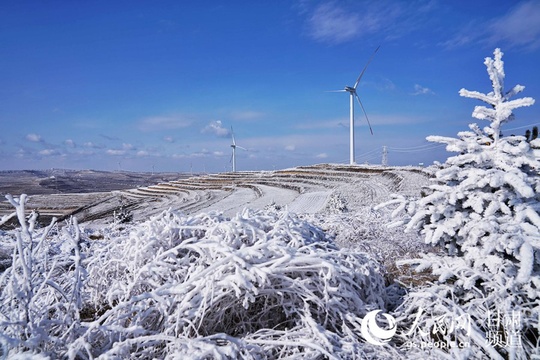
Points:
[(301, 190), (307, 189)]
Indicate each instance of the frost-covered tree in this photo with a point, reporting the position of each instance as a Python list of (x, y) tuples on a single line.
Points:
[(483, 208)]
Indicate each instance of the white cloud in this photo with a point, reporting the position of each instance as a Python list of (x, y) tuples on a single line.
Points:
[(86, 152), (194, 155), (331, 23), (321, 156), (169, 139), (290, 147), (219, 153), (49, 152), (216, 128), (383, 84), (127, 146), (324, 124), (70, 143), (338, 22), (91, 145), (142, 153), (460, 39), (34, 138), (374, 119), (157, 123), (246, 115), (116, 152), (21, 153), (420, 90), (519, 27)]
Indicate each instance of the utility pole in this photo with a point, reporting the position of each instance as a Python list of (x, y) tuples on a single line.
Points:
[(384, 161)]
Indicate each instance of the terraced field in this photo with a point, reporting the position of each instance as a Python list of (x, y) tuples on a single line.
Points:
[(310, 189)]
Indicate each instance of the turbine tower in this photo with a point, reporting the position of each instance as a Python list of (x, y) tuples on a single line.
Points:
[(234, 146), (352, 91)]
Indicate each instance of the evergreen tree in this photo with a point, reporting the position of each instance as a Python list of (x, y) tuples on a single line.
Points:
[(483, 209)]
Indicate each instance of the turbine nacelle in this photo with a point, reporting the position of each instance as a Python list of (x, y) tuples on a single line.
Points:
[(350, 89)]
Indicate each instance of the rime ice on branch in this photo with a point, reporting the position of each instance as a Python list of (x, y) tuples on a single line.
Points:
[(501, 108)]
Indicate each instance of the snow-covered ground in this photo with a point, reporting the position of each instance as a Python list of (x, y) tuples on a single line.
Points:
[(301, 190), (229, 249)]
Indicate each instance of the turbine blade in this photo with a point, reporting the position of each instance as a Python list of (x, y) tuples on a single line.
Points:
[(232, 134), (365, 67), (232, 154), (364, 110), (336, 91), (240, 147)]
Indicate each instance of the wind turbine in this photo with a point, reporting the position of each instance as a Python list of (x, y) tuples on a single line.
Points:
[(234, 146), (352, 91)]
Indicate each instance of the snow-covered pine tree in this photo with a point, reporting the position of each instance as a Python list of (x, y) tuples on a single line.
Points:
[(483, 208)]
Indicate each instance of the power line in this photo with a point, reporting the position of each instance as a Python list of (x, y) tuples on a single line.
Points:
[(522, 127), (411, 147), (416, 149), (369, 152)]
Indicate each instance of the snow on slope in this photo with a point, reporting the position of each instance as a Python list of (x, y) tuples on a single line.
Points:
[(310, 203), (301, 190)]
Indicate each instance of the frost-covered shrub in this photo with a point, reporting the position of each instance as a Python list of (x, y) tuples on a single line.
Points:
[(40, 291), (336, 204), (259, 283), (366, 230), (483, 208), (262, 285)]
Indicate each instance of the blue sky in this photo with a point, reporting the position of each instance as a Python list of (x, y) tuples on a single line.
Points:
[(157, 85)]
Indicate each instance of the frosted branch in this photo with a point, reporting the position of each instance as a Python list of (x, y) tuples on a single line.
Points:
[(516, 90), (478, 95)]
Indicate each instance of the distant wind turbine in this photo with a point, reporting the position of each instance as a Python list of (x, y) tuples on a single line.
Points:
[(234, 146), (352, 91)]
